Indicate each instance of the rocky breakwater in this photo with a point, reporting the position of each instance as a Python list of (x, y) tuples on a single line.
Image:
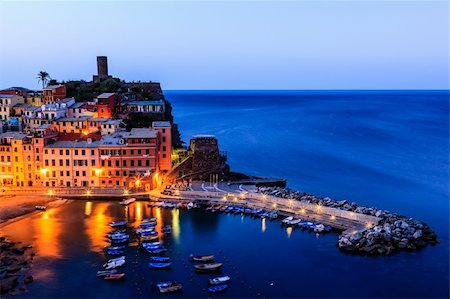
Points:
[(391, 234), (15, 262)]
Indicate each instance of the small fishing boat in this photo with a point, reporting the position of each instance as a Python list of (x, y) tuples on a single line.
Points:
[(115, 276), (120, 247), (103, 273), (152, 244), (219, 280), (287, 220), (114, 252), (148, 220), (118, 223), (208, 267), (160, 258), (146, 238), (190, 205), (202, 258), (40, 208), (127, 201), (159, 265), (170, 288), (148, 232), (116, 259), (119, 236), (217, 289), (113, 265), (156, 250)]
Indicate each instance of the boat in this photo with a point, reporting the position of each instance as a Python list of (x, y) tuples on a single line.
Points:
[(160, 258), (148, 232), (219, 280), (159, 265), (287, 220), (115, 264), (114, 252), (190, 205), (294, 222), (169, 288), (40, 208), (218, 288), (119, 236), (103, 273), (146, 238), (148, 220), (156, 250), (152, 244), (116, 259), (208, 267), (127, 201), (202, 258), (115, 276), (118, 223), (120, 247)]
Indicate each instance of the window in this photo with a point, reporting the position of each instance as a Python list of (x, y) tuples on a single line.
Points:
[(83, 152), (92, 152), (68, 173), (164, 130), (84, 173), (147, 151), (164, 139), (46, 162), (93, 162), (139, 163), (117, 173), (67, 152), (147, 163), (67, 162), (109, 163), (76, 152), (61, 152), (163, 155), (61, 162), (139, 152), (46, 152), (131, 152), (117, 163), (124, 163), (125, 173), (61, 173), (132, 162), (164, 148), (77, 173)]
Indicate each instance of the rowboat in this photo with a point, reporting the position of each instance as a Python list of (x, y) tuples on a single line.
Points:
[(116, 259), (217, 289), (114, 264), (159, 265), (160, 258), (118, 223), (156, 250), (170, 288), (219, 280), (287, 220), (148, 238), (40, 208), (208, 267), (152, 244), (148, 220), (114, 252), (202, 258), (127, 201), (103, 273), (120, 247), (115, 276)]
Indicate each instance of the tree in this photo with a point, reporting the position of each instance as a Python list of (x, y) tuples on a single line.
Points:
[(43, 77)]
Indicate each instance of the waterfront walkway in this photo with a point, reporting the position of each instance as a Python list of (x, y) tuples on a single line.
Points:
[(229, 194)]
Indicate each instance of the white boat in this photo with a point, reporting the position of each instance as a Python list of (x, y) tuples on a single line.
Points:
[(294, 222), (190, 205), (116, 259), (114, 264), (40, 208), (219, 280), (127, 201), (287, 220)]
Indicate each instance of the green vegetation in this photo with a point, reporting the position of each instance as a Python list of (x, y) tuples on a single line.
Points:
[(43, 77)]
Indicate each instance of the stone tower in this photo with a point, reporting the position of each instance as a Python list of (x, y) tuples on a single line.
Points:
[(102, 68)]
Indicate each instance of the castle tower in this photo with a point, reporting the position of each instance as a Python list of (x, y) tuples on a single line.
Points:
[(102, 68)]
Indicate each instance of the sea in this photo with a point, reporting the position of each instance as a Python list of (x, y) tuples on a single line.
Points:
[(386, 149)]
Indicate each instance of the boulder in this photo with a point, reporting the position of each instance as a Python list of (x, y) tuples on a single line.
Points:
[(417, 234)]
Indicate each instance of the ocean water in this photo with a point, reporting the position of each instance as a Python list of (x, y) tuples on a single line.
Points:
[(382, 149)]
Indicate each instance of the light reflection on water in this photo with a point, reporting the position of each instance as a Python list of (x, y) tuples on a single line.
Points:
[(47, 230), (288, 231), (263, 224), (176, 225), (97, 224)]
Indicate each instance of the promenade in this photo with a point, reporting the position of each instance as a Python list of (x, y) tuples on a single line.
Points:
[(229, 194)]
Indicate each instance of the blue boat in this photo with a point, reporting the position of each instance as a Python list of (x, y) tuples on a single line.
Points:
[(217, 289), (120, 247), (114, 252), (156, 250), (153, 265), (160, 258), (118, 223)]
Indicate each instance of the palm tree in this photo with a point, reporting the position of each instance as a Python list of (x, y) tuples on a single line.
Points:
[(43, 77)]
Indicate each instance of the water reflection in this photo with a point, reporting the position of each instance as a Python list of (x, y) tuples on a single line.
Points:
[(176, 225), (263, 224), (88, 208), (138, 214), (97, 224), (47, 231), (289, 231)]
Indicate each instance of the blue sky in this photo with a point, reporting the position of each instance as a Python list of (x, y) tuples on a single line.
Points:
[(230, 45)]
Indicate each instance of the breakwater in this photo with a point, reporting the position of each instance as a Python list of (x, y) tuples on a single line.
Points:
[(391, 233)]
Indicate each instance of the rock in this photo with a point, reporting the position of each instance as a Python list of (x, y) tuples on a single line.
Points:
[(417, 234), (28, 279), (18, 251), (8, 284)]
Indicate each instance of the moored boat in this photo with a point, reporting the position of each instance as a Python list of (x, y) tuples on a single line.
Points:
[(219, 280), (40, 208), (115, 276), (218, 288), (103, 273), (118, 223), (156, 250), (114, 252), (160, 258), (159, 265), (114, 264), (210, 267), (202, 258), (127, 201), (169, 287)]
